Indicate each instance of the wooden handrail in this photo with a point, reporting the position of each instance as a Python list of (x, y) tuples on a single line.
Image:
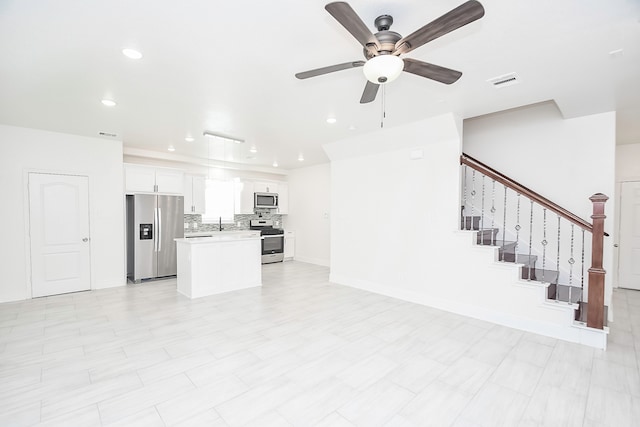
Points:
[(466, 159)]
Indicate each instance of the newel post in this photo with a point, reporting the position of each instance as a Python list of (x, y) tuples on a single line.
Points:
[(595, 308)]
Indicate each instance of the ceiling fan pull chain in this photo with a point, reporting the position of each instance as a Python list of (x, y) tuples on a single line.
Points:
[(383, 113)]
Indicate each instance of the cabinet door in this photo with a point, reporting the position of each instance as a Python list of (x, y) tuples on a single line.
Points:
[(169, 181), (289, 245), (244, 197), (283, 198), (188, 194), (198, 194), (139, 179), (265, 187)]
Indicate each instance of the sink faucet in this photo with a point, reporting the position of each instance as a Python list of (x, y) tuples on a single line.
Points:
[(220, 223)]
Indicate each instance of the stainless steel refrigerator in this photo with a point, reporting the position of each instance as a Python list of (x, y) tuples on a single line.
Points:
[(153, 221)]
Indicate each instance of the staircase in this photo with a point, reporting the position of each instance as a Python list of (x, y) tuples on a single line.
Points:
[(549, 256), (507, 253)]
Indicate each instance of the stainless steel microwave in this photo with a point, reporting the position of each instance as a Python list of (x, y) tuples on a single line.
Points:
[(265, 200)]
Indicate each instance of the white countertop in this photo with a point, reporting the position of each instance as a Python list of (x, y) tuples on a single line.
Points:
[(220, 236)]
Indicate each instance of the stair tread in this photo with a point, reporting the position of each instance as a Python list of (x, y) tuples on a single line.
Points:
[(540, 275), (565, 293)]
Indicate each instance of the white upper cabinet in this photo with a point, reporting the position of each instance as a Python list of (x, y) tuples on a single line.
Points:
[(283, 198), (265, 187), (194, 194), (244, 197), (147, 179)]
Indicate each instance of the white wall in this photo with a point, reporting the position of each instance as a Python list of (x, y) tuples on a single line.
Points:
[(23, 150), (566, 161), (394, 217), (309, 208)]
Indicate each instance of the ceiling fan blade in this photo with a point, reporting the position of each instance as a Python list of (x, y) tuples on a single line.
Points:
[(452, 20), (345, 15), (329, 69), (370, 92), (431, 71)]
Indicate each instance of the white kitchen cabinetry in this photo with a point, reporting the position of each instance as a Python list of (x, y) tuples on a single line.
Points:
[(265, 187), (147, 179), (244, 200), (194, 194), (244, 197), (289, 245), (283, 198)]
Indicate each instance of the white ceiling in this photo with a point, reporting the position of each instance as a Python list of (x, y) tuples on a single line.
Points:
[(229, 67)]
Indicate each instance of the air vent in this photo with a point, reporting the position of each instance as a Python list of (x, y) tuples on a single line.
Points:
[(504, 80), (110, 135)]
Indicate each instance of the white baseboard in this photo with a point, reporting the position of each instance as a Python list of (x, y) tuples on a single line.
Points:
[(316, 261)]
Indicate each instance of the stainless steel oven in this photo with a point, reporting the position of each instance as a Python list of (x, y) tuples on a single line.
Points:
[(272, 240)]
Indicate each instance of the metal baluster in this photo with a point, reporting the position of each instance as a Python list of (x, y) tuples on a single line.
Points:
[(517, 227), (582, 270), (493, 210), (544, 241), (571, 262), (504, 220), (473, 196), (464, 199), (482, 214), (558, 262), (530, 237)]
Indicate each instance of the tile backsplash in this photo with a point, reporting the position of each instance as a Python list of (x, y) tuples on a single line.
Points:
[(240, 222)]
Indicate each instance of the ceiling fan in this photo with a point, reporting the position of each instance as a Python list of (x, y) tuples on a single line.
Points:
[(382, 50)]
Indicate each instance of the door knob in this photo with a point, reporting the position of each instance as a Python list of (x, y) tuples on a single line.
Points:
[(86, 239)]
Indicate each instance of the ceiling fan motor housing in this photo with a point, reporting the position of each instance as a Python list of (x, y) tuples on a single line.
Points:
[(387, 40)]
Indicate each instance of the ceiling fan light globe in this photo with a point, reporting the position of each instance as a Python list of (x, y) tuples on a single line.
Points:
[(383, 69)]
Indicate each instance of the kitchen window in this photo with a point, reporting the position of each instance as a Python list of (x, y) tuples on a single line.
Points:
[(219, 201)]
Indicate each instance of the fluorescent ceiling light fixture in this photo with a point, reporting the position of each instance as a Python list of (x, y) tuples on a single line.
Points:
[(383, 69), (275, 164), (222, 136), (109, 102), (301, 158), (131, 53), (331, 120), (189, 139), (171, 148)]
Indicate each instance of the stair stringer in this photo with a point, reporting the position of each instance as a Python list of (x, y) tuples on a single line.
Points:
[(519, 303)]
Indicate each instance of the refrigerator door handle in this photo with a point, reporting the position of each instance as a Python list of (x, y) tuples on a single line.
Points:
[(155, 238), (159, 229)]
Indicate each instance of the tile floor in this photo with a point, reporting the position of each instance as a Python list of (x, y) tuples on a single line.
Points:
[(300, 351)]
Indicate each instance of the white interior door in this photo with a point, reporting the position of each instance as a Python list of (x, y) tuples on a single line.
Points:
[(629, 255), (59, 234)]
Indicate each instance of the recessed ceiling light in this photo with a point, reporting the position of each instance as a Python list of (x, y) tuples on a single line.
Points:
[(189, 139), (109, 102), (331, 120), (171, 148), (352, 127), (131, 53), (275, 164), (616, 53), (301, 158), (253, 150)]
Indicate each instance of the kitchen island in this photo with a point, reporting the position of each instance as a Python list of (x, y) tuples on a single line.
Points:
[(226, 261)]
